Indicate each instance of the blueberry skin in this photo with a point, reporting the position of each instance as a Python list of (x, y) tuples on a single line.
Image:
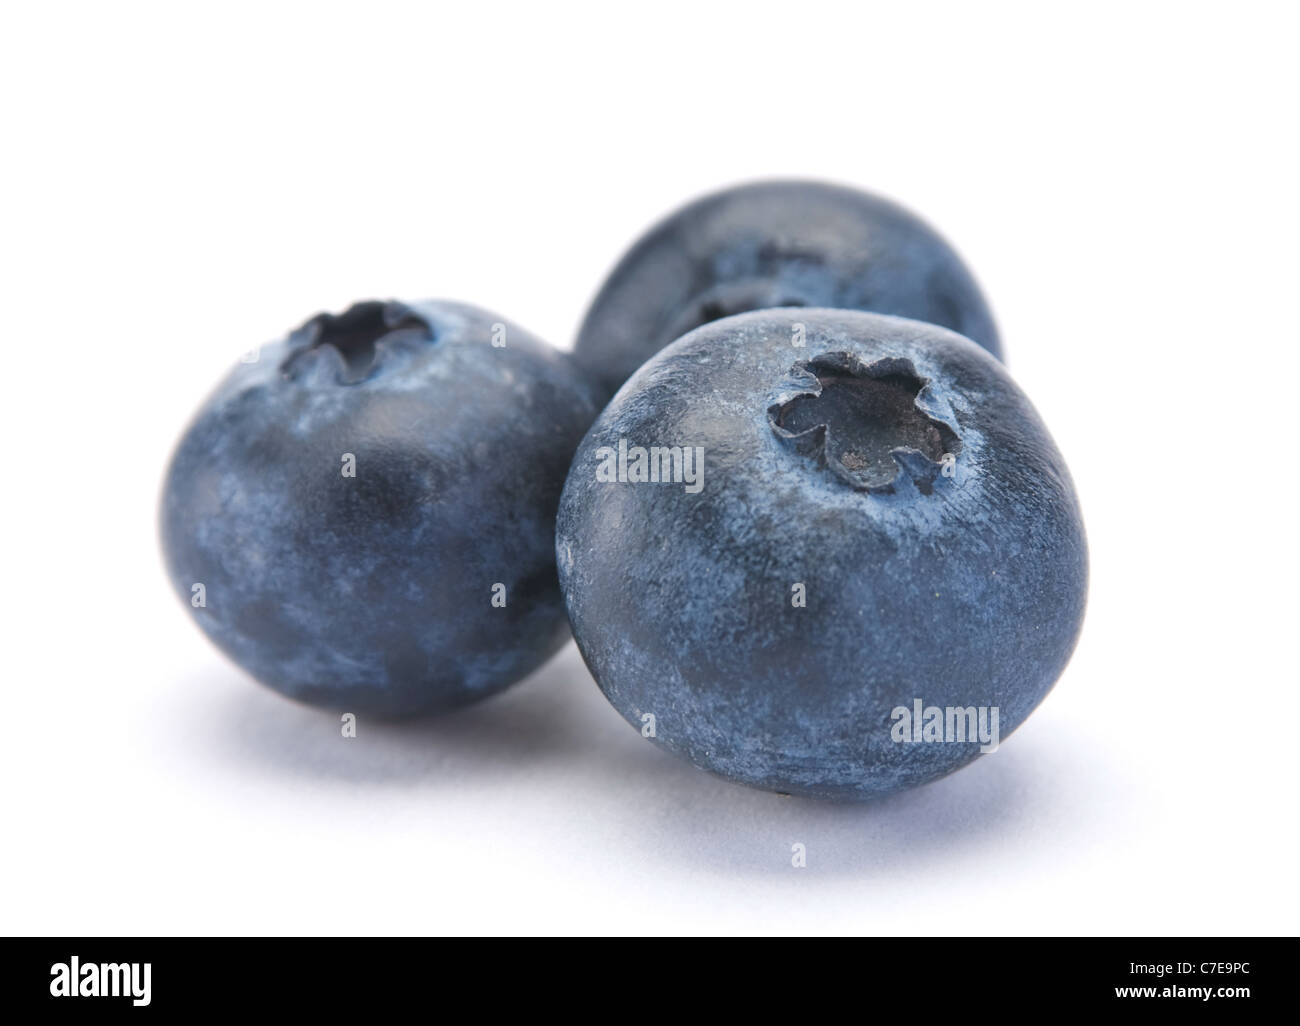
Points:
[(373, 593), (957, 582), (776, 244)]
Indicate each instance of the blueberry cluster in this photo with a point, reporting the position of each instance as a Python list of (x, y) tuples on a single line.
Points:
[(805, 528)]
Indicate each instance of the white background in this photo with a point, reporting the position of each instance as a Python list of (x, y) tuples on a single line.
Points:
[(180, 185)]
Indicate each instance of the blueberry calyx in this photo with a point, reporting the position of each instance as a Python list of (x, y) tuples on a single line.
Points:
[(352, 343), (729, 298), (864, 422)]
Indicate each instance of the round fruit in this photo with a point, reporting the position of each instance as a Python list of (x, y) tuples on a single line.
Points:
[(776, 244), (362, 515), (795, 533)]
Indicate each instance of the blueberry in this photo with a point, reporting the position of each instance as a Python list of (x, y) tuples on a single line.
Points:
[(776, 244), (795, 533), (363, 514)]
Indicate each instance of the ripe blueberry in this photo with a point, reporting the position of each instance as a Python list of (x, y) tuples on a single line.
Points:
[(776, 244), (784, 556), (363, 514)]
